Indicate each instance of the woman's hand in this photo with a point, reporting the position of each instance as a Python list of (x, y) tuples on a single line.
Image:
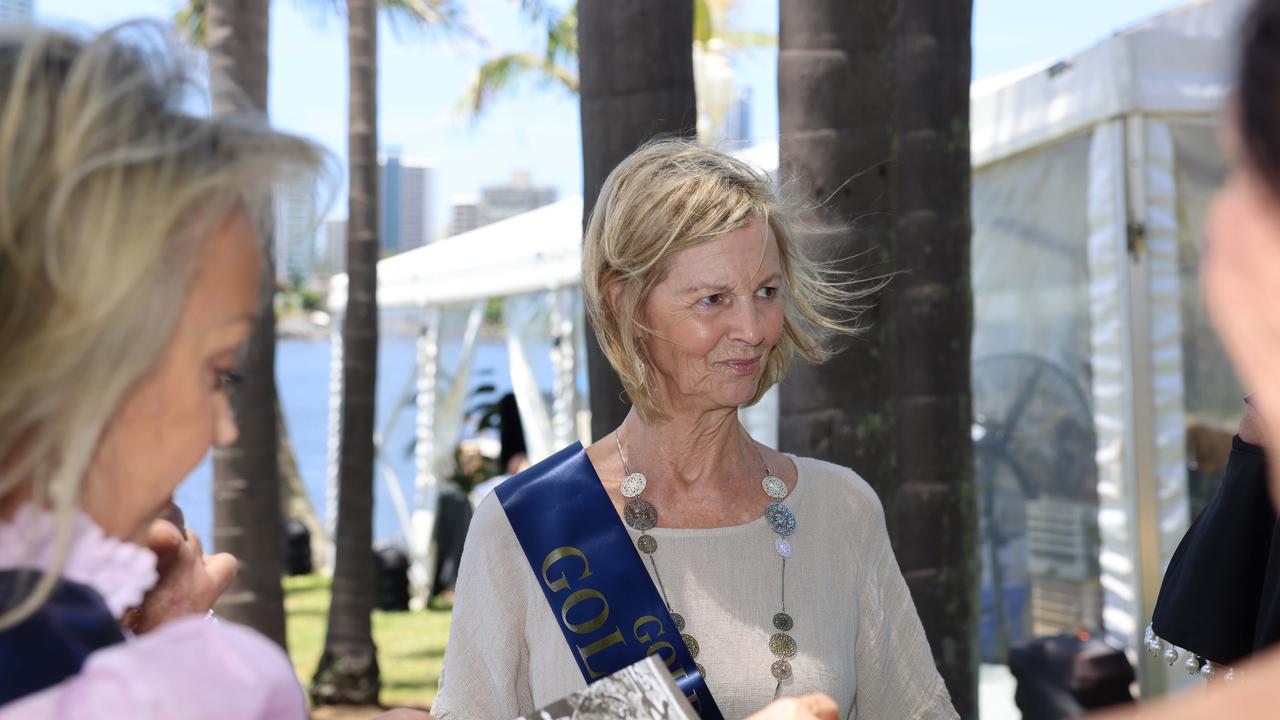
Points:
[(190, 582), (1252, 430), (804, 707)]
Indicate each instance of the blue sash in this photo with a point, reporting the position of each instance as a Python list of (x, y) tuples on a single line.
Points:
[(608, 609)]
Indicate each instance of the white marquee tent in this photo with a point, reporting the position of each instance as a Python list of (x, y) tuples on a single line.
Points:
[(1091, 179)]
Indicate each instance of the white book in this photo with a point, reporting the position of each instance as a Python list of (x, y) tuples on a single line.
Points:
[(643, 691)]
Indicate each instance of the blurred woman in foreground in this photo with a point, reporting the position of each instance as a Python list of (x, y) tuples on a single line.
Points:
[(130, 275)]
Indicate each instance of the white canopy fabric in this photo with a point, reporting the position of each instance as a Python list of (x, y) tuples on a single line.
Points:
[(535, 251), (1175, 63)]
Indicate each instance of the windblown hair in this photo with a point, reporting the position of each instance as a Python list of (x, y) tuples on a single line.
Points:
[(110, 179), (1258, 91), (671, 195)]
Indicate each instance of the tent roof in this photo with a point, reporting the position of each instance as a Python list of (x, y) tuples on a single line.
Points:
[(1179, 62), (537, 250)]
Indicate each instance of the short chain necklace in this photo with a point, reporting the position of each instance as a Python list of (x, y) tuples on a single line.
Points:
[(642, 516)]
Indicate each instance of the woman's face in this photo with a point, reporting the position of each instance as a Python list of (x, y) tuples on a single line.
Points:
[(1240, 278), (715, 318), (170, 419)]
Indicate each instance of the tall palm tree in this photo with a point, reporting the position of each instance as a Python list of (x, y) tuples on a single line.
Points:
[(637, 83), (348, 669), (873, 107), (933, 321), (245, 478)]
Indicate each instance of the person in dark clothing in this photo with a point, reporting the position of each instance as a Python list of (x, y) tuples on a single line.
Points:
[(1220, 599)]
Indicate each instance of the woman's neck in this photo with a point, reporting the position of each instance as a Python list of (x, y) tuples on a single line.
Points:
[(689, 451)]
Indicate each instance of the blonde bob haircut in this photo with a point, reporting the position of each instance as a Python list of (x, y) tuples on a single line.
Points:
[(671, 195), (111, 177)]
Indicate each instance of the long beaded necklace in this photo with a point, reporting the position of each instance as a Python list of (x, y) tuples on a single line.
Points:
[(642, 516)]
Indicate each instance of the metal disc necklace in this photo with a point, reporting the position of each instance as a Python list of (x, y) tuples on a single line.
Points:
[(641, 516)]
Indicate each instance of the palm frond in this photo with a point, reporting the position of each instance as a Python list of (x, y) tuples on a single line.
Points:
[(715, 20), (445, 19), (536, 10), (562, 37), (190, 22), (747, 40), (499, 74), (704, 22)]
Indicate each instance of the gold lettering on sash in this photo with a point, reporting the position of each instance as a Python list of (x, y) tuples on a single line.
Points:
[(648, 620), (677, 671), (657, 648), (613, 638), (596, 622), (557, 555)]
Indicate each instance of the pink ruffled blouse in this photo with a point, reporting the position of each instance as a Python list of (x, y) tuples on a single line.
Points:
[(186, 668)]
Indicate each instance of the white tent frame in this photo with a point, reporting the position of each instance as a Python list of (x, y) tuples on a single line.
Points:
[(1124, 91)]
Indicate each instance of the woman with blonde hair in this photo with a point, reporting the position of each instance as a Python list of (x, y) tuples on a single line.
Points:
[(752, 573), (130, 275)]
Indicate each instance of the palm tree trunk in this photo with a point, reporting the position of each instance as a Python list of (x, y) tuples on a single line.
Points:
[(636, 81), (836, 124), (245, 477), (933, 321), (873, 111), (348, 669)]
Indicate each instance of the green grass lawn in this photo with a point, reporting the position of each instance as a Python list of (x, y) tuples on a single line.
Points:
[(410, 644)]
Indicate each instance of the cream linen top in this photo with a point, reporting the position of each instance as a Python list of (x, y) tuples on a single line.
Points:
[(860, 640)]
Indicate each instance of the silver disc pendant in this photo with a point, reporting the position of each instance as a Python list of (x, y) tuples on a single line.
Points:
[(678, 619), (780, 518), (782, 645), (633, 485), (640, 514), (692, 643), (774, 487), (783, 546), (783, 622), (647, 544), (781, 670)]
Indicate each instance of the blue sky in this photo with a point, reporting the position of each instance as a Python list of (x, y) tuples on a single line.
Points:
[(422, 78)]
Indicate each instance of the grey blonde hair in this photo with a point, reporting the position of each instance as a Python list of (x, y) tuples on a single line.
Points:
[(671, 195), (109, 182)]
